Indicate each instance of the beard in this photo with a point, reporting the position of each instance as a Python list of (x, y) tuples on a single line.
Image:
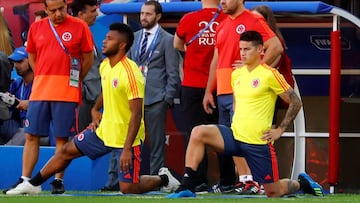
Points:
[(110, 52), (148, 25), (24, 73)]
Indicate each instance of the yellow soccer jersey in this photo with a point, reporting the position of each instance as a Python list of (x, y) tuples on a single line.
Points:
[(255, 96), (120, 83)]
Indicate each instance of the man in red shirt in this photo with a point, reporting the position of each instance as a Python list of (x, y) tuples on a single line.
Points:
[(60, 51), (226, 57), (195, 36)]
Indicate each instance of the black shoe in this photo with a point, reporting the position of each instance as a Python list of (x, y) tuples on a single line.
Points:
[(14, 186), (57, 187), (110, 188), (202, 188), (226, 189)]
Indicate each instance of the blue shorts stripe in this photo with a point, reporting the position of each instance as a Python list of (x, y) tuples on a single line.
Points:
[(133, 175)]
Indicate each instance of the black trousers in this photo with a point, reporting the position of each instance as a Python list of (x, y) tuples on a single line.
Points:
[(194, 114)]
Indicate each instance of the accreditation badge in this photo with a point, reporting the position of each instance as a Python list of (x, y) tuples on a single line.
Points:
[(144, 70), (74, 72)]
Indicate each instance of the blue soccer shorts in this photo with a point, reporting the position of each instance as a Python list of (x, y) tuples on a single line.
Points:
[(89, 144), (62, 116), (261, 159)]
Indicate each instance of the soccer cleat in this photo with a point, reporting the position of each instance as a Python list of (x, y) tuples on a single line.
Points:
[(239, 187), (24, 188), (217, 188), (201, 189), (181, 194), (111, 188), (14, 186), (57, 187), (173, 184), (262, 190), (308, 185), (247, 188)]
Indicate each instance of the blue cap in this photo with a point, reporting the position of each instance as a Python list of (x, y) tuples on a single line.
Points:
[(19, 54)]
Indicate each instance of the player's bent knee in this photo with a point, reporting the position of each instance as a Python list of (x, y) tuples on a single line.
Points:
[(272, 194), (198, 132), (125, 190), (273, 189), (68, 152)]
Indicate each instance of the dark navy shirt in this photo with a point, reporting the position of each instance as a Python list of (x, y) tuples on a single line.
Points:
[(22, 92)]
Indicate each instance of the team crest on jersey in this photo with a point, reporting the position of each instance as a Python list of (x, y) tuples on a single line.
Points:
[(240, 29), (115, 83), (67, 36), (255, 83), (80, 137)]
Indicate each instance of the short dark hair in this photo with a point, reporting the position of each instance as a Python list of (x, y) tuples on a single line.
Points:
[(252, 36), (125, 30), (47, 5), (156, 4), (40, 13), (80, 5)]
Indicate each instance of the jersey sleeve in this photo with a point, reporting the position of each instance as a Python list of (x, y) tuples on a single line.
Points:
[(30, 46), (234, 75), (277, 82), (181, 28), (87, 43), (264, 29), (135, 88)]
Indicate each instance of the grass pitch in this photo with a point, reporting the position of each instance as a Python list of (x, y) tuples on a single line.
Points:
[(96, 197)]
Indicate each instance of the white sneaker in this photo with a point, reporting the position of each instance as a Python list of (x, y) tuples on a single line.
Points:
[(24, 188), (173, 182)]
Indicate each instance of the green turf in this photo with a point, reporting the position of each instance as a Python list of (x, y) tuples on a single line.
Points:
[(109, 198)]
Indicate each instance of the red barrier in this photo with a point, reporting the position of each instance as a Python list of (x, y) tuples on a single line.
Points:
[(334, 111)]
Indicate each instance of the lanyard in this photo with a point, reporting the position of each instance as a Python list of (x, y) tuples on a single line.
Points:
[(95, 52), (151, 48), (22, 97), (58, 38), (205, 28)]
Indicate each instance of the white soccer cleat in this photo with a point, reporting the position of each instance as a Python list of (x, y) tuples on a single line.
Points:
[(173, 182), (24, 188)]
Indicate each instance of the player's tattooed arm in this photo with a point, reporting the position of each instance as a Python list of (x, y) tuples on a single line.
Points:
[(294, 106)]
